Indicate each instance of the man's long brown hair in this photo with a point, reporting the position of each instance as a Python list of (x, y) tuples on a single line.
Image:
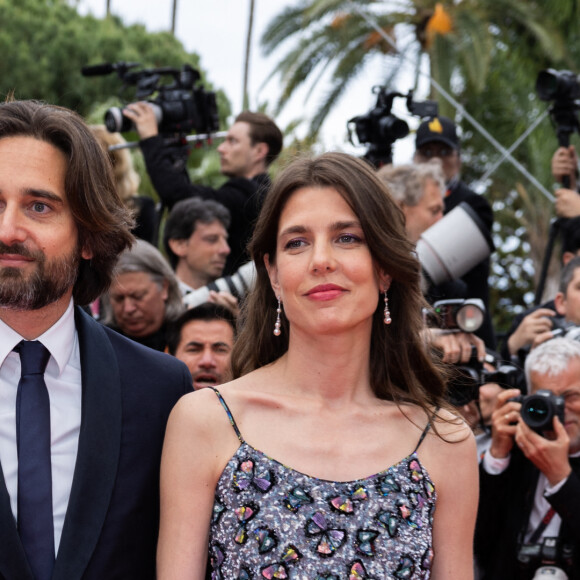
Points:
[(103, 222)]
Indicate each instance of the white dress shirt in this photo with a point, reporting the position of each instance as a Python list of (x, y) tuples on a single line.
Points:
[(63, 381), (495, 466)]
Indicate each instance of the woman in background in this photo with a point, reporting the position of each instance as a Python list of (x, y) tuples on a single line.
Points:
[(332, 455), (127, 181)]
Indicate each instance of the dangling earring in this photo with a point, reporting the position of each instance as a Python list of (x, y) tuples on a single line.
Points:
[(277, 325), (388, 318)]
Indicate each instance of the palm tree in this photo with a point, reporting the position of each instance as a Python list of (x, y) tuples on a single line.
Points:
[(173, 16), (245, 96), (457, 38)]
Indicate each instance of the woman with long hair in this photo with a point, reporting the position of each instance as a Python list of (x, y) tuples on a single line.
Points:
[(332, 454)]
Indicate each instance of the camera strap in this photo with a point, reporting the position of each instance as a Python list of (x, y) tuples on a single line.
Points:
[(543, 525)]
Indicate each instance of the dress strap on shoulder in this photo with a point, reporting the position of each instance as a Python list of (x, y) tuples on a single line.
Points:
[(229, 414), (424, 434)]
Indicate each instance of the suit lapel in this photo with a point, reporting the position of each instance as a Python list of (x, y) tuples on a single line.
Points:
[(13, 562), (98, 450)]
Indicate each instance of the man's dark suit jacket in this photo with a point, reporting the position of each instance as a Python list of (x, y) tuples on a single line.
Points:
[(111, 524), (504, 508)]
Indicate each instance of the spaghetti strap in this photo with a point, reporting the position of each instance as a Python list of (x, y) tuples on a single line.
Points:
[(422, 437), (425, 431), (229, 413)]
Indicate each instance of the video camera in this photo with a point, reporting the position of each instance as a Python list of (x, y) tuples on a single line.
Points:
[(379, 128), (563, 88), (180, 106)]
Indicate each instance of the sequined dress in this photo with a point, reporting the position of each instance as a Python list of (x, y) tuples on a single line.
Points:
[(270, 521)]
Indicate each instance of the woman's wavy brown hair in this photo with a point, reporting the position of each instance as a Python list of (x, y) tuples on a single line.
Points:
[(401, 368)]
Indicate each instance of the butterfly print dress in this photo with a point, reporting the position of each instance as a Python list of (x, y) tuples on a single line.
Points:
[(270, 521)]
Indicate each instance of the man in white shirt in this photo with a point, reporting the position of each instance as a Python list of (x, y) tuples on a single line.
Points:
[(530, 481), (62, 227)]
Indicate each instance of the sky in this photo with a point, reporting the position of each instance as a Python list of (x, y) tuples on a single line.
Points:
[(217, 31)]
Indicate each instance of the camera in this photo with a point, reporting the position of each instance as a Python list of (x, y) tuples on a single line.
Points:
[(563, 88), (238, 284), (549, 559), (539, 409), (459, 314), (463, 386), (466, 315), (560, 327), (554, 85), (379, 128), (180, 106)]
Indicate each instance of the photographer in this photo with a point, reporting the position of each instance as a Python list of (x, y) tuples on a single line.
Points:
[(418, 190), (529, 510), (565, 165), (253, 142), (537, 326), (437, 139)]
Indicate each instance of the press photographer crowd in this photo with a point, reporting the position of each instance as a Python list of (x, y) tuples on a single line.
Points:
[(336, 318)]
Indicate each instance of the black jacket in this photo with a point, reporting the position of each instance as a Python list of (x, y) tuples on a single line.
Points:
[(505, 503), (243, 197), (112, 519)]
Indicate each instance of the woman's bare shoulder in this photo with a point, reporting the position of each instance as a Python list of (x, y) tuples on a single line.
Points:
[(450, 426)]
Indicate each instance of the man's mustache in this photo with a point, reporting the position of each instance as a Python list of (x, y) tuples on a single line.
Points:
[(20, 250)]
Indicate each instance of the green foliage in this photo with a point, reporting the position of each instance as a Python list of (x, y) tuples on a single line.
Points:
[(45, 43)]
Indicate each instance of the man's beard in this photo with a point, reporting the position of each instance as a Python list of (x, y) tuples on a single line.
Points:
[(49, 281)]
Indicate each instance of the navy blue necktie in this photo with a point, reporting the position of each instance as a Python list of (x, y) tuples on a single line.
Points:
[(35, 524)]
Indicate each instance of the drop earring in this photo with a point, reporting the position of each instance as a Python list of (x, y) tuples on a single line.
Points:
[(388, 318), (277, 325)]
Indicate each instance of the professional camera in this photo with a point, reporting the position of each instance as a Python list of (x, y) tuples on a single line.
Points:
[(538, 410), (238, 284), (460, 314), (548, 559), (180, 106), (466, 315), (560, 327), (563, 88), (554, 85), (463, 386), (379, 128), (452, 246)]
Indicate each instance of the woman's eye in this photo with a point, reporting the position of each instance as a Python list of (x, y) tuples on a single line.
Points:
[(293, 244), (348, 238)]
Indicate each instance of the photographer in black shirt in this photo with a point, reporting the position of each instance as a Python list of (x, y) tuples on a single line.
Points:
[(253, 142)]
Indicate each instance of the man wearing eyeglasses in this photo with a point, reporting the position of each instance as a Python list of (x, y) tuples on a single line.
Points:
[(437, 138)]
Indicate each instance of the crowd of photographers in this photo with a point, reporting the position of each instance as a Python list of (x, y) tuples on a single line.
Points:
[(527, 424)]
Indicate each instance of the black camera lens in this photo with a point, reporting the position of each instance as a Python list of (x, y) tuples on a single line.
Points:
[(536, 412)]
